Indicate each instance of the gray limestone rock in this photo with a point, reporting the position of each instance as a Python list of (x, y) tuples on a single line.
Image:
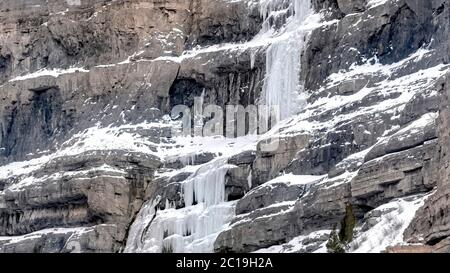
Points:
[(72, 76)]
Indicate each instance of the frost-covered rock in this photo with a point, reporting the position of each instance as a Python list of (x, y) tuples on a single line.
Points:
[(89, 158)]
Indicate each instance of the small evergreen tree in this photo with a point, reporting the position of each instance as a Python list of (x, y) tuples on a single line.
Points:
[(334, 244), (339, 242), (347, 225)]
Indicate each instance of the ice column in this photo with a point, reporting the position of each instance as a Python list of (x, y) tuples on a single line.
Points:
[(282, 87), (193, 228)]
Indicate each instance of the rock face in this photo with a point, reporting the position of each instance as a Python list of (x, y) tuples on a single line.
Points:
[(90, 160), (431, 225)]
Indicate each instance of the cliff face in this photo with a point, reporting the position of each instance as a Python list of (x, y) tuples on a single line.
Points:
[(431, 223), (89, 159), (94, 48)]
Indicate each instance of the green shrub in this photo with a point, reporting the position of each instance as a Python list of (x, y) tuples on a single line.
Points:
[(337, 243)]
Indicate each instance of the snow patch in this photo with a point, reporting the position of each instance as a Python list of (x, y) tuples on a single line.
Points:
[(395, 218), (52, 73), (314, 242)]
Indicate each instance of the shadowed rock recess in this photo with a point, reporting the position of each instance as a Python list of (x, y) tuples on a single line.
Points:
[(89, 161)]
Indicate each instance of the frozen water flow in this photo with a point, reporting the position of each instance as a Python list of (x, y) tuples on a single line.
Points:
[(193, 228), (207, 185), (282, 88)]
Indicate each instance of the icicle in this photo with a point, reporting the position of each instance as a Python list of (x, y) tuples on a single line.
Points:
[(252, 58), (188, 159), (207, 185), (249, 180), (272, 10), (198, 114)]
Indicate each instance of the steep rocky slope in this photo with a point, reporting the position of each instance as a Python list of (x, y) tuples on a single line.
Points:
[(89, 159)]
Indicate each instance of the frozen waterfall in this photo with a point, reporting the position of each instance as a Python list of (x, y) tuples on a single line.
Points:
[(282, 88), (193, 228)]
